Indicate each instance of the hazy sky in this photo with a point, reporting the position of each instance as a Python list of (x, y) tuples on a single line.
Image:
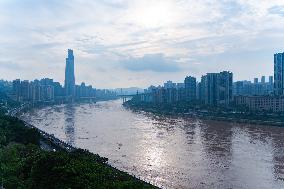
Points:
[(120, 43)]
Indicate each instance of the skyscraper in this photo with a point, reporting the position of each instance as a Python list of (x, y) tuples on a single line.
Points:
[(225, 84), (211, 88), (279, 73), (262, 79), (169, 84), (190, 88), (69, 75), (270, 80), (17, 89), (217, 88)]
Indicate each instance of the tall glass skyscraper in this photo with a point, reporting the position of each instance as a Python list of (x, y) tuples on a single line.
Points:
[(279, 73), (69, 75)]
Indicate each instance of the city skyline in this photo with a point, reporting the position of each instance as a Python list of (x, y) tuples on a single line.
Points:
[(213, 88), (139, 40), (142, 94), (69, 81)]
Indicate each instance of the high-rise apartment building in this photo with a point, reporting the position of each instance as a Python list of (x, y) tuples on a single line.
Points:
[(17, 89), (217, 88), (211, 88), (25, 90), (69, 75), (270, 80), (190, 88), (262, 79), (279, 73), (169, 84), (225, 84)]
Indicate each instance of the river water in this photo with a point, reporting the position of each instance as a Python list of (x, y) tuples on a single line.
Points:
[(171, 152)]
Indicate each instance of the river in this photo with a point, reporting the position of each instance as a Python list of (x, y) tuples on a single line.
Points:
[(171, 152)]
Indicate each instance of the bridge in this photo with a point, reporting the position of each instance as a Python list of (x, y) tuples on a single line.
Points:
[(125, 97)]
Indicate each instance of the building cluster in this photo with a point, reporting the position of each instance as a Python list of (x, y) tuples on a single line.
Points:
[(37, 90), (272, 101), (214, 89), (260, 103), (5, 85), (255, 88), (219, 89), (46, 90)]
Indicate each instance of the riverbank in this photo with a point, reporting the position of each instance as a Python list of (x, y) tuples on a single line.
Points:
[(29, 155), (25, 163), (169, 151), (208, 113), (27, 106)]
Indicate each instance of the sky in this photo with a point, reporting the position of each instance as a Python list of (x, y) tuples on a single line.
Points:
[(123, 43)]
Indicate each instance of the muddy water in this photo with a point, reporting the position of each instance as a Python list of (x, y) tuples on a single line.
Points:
[(171, 152)]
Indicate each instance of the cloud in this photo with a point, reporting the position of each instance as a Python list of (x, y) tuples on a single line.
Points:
[(5, 64), (160, 39), (151, 62), (278, 10), (45, 45)]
